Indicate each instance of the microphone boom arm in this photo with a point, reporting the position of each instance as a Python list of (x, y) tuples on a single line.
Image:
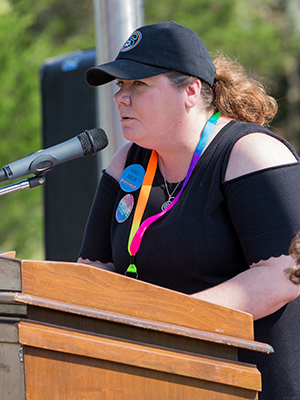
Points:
[(29, 183)]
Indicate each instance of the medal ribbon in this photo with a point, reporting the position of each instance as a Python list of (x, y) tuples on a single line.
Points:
[(137, 231)]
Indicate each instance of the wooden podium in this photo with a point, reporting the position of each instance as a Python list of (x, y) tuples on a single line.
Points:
[(73, 332)]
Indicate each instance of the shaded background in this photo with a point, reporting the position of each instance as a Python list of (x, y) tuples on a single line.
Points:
[(264, 35)]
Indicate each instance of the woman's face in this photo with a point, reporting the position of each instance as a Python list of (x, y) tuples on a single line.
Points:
[(150, 110)]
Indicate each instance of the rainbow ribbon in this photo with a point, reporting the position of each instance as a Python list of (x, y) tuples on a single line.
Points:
[(137, 231)]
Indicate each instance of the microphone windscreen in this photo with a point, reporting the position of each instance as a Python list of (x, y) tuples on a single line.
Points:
[(93, 140)]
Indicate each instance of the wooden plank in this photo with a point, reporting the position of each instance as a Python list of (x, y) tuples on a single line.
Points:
[(137, 332), (10, 274), (10, 308), (11, 254), (12, 382), (140, 355), (9, 333), (61, 376), (13, 309), (146, 324), (91, 287)]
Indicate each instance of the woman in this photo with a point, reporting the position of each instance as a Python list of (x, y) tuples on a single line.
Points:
[(223, 207)]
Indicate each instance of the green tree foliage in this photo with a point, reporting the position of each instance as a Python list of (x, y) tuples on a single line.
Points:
[(30, 32)]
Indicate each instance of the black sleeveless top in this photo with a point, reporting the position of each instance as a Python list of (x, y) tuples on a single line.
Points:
[(214, 232)]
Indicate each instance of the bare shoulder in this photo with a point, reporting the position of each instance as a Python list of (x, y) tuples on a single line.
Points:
[(116, 166), (257, 151)]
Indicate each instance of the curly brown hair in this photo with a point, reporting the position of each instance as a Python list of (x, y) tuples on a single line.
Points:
[(239, 96), (294, 271), (235, 94)]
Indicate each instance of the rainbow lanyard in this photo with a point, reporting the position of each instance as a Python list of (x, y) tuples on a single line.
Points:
[(137, 231)]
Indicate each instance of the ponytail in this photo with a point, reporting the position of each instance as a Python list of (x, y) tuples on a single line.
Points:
[(238, 96)]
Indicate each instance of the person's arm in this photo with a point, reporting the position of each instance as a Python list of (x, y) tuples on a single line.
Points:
[(114, 169), (264, 287), (116, 166), (260, 290), (98, 264)]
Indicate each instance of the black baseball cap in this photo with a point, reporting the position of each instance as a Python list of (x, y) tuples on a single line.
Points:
[(154, 49)]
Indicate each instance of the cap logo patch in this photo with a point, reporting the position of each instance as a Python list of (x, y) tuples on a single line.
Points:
[(133, 41)]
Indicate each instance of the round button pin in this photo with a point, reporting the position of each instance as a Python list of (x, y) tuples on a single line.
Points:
[(132, 178), (124, 208)]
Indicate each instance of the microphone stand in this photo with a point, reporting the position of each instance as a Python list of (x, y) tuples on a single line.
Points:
[(25, 184)]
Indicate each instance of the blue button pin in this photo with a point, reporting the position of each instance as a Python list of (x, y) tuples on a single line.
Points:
[(132, 178)]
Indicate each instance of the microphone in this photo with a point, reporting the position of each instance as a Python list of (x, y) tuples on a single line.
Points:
[(43, 161)]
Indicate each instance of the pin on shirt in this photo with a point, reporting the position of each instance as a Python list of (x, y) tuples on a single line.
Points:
[(132, 178), (124, 208)]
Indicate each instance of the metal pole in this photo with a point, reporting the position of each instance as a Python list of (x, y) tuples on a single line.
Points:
[(29, 183), (115, 20)]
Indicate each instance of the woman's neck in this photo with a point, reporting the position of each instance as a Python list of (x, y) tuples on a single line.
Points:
[(173, 171), (176, 157), (175, 160)]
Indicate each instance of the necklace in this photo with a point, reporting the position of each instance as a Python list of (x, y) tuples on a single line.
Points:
[(170, 195), (137, 229)]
